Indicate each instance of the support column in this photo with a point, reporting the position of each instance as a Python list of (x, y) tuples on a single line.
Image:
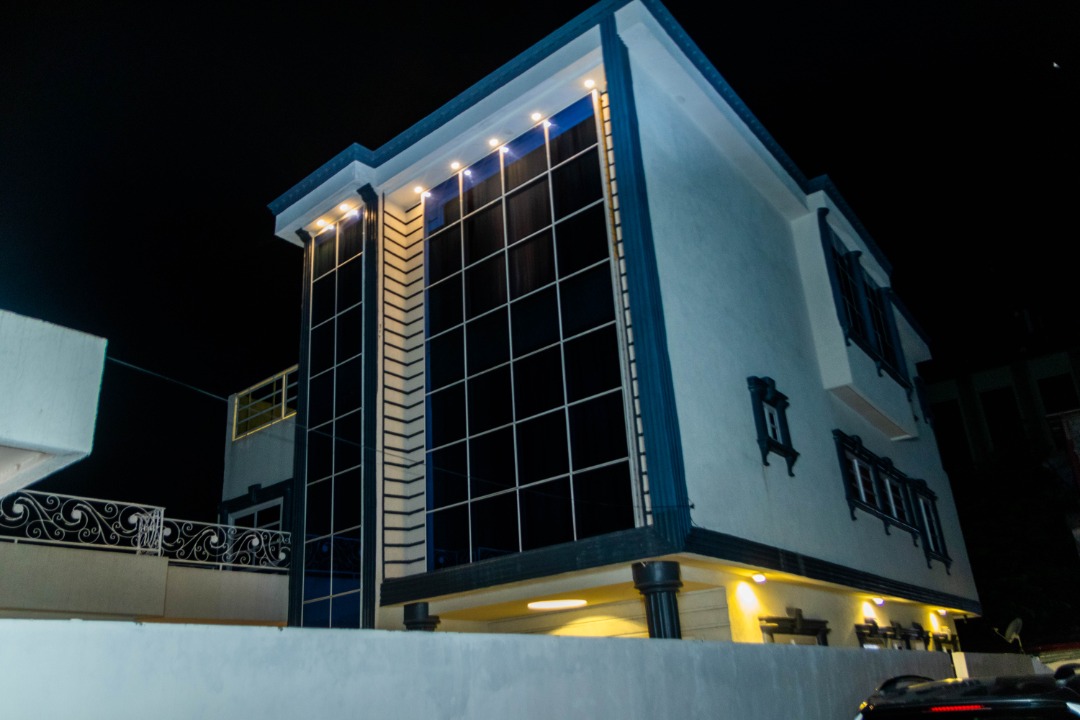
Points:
[(417, 617), (658, 583)]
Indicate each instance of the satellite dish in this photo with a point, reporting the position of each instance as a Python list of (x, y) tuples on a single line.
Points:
[(1012, 632)]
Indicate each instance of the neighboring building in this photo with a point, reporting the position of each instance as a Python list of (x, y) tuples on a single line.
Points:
[(1010, 441), (50, 378), (586, 317)]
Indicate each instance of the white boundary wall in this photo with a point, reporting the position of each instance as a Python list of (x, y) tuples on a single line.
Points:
[(118, 670)]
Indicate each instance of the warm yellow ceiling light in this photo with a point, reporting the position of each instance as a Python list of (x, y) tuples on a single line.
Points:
[(590, 83), (758, 577), (536, 117), (455, 165), (565, 604), (493, 142)]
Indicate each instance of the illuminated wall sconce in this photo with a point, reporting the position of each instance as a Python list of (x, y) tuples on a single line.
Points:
[(942, 612), (758, 578), (878, 601)]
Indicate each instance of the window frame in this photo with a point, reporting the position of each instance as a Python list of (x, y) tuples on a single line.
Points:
[(919, 517), (767, 400), (865, 309)]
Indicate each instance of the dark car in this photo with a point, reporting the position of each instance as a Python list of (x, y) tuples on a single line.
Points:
[(1029, 697)]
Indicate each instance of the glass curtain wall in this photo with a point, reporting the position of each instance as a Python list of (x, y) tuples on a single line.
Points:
[(527, 439), (332, 502)]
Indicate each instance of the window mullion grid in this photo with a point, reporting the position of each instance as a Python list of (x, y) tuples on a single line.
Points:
[(465, 364), (509, 339)]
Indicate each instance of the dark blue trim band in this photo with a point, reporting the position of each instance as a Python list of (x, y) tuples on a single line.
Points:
[(298, 508), (369, 499), (663, 444)]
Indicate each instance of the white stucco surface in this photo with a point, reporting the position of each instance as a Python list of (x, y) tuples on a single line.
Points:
[(50, 378), (121, 670)]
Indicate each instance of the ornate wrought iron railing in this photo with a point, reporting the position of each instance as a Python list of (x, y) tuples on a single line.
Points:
[(186, 541), (53, 519)]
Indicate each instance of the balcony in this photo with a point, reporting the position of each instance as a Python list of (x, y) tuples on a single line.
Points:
[(146, 566)]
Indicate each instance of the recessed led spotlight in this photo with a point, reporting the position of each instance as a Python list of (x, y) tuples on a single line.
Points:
[(504, 149), (418, 189), (468, 173), (758, 577), (344, 207), (425, 194), (352, 213), (536, 117), (493, 142), (320, 222), (557, 604), (590, 83), (455, 165), (943, 612), (878, 601)]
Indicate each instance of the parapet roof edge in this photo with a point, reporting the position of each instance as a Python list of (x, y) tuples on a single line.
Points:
[(557, 39), (825, 184)]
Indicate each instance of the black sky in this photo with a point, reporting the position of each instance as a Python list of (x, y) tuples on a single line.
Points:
[(141, 142)]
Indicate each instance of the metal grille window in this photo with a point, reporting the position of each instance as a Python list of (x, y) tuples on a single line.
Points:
[(875, 486), (526, 411), (865, 310)]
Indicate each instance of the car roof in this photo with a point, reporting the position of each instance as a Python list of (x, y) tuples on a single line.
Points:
[(980, 689)]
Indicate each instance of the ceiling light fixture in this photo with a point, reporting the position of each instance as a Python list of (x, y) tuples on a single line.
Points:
[(565, 604)]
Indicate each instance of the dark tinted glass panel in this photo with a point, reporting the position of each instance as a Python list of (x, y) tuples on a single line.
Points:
[(576, 184), (444, 254), (489, 400), (602, 500), (443, 306), (322, 348), (447, 476), (546, 514), (347, 500), (446, 416), (534, 321), (489, 341), (316, 568), (481, 182), (317, 519), (345, 574), (587, 301), (527, 210), (350, 237), (319, 454), (495, 526), (324, 251), (350, 327), (532, 265), (538, 383), (448, 537), (322, 299), (317, 614), (269, 517), (446, 359), (345, 610), (592, 364), (572, 130), (485, 286), (442, 206), (350, 284), (348, 441), (492, 462), (952, 436), (525, 158), (1003, 419), (321, 399), (582, 240), (483, 233), (1058, 394), (597, 431), (348, 392), (541, 444)]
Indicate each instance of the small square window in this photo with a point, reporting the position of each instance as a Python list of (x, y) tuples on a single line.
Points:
[(770, 417)]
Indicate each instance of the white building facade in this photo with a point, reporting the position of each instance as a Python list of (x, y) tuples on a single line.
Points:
[(588, 327)]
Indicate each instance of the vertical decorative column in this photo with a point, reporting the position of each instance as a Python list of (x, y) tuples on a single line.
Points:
[(417, 617), (658, 582)]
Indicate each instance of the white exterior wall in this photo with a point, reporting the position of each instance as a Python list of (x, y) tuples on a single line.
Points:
[(120, 670), (735, 305), (50, 378), (262, 458)]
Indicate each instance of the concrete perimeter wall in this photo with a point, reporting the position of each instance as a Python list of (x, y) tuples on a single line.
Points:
[(85, 669)]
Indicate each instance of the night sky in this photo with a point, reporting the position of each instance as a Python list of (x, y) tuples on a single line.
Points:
[(140, 144)]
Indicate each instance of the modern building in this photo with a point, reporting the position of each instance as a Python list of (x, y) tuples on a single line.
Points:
[(586, 334)]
